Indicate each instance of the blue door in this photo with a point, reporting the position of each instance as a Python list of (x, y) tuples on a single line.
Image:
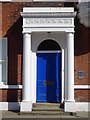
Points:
[(48, 77)]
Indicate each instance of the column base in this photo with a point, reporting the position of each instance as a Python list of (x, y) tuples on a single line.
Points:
[(26, 106), (69, 106), (69, 100)]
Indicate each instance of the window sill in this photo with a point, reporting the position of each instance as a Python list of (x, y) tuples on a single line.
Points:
[(3, 86), (5, 0)]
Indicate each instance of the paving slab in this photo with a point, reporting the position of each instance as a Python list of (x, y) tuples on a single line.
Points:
[(83, 114), (9, 115)]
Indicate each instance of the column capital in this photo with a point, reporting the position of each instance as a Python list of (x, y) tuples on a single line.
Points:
[(70, 33), (26, 36), (26, 32)]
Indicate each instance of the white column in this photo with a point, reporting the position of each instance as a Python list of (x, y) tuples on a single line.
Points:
[(70, 66), (26, 66), (70, 105), (26, 104)]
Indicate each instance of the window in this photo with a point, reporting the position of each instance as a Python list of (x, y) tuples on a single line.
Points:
[(49, 0), (3, 60), (5, 0)]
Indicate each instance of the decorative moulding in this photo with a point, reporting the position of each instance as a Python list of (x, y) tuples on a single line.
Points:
[(48, 17), (48, 21)]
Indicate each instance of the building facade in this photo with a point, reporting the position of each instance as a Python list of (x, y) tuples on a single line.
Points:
[(44, 56)]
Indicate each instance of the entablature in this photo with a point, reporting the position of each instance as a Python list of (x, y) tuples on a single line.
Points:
[(48, 17)]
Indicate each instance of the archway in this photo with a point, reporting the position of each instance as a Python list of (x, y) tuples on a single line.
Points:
[(49, 45), (48, 72)]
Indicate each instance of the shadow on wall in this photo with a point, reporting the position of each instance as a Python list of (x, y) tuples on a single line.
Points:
[(15, 43), (14, 106), (81, 38)]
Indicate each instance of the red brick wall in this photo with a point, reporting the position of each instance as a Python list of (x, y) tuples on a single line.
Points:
[(81, 53), (82, 62), (12, 29), (10, 95), (0, 19), (82, 95)]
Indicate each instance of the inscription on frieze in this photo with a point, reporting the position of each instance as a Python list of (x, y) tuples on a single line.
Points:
[(48, 21)]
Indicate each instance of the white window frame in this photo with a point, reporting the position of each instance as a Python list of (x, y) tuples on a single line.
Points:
[(5, 0), (6, 63)]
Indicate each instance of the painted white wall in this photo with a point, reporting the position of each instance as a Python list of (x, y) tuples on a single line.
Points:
[(82, 106), (38, 37), (79, 106), (9, 105)]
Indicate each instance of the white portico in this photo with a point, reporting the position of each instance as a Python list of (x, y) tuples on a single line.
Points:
[(37, 23)]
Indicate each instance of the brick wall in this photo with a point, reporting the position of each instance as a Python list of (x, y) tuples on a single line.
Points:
[(12, 29), (82, 95), (10, 95), (81, 53)]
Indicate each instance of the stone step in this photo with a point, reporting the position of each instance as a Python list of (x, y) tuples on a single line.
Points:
[(46, 113), (46, 109), (46, 105)]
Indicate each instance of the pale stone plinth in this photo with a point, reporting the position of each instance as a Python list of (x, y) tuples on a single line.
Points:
[(26, 106)]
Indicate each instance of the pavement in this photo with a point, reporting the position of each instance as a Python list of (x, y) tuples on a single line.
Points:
[(11, 115)]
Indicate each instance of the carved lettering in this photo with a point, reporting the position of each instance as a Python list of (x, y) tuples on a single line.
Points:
[(48, 21)]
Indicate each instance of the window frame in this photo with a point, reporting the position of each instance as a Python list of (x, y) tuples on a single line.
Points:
[(6, 63)]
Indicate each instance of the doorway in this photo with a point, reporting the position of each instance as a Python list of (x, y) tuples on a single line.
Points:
[(48, 87)]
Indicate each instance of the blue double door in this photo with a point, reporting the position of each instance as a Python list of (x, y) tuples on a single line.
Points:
[(48, 77)]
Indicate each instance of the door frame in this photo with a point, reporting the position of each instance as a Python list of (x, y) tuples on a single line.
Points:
[(52, 51), (34, 65)]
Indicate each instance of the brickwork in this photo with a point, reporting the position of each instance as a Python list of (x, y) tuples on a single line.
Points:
[(82, 95), (81, 53), (10, 95), (12, 29), (0, 19)]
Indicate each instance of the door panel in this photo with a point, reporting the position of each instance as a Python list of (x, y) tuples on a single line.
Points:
[(48, 77)]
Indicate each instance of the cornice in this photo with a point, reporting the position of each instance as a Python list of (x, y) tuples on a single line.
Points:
[(48, 14)]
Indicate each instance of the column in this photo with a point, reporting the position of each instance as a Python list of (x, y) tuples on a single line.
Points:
[(26, 104), (70, 66), (26, 66), (70, 105)]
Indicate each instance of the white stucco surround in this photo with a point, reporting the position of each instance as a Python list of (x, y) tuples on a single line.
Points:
[(37, 22), (37, 38)]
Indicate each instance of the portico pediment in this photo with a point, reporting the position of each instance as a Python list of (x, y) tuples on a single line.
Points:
[(48, 17)]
